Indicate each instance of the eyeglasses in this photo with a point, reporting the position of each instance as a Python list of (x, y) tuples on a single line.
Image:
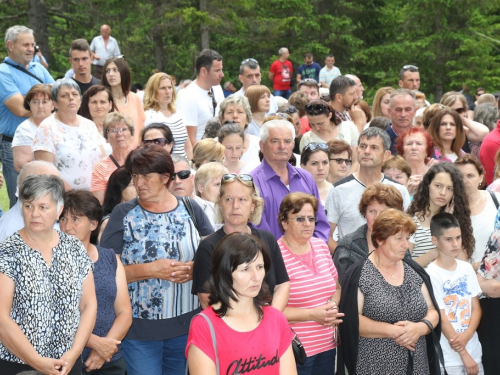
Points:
[(157, 141), (232, 176), (302, 219), (460, 110), (249, 59), (410, 67), (307, 80), (313, 146), (317, 109), (341, 161), (115, 131), (182, 174), (38, 103), (214, 102)]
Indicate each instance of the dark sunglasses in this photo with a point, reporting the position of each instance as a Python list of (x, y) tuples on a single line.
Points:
[(232, 176), (249, 59), (157, 141), (317, 109), (182, 174), (313, 146), (214, 102), (460, 110), (341, 161)]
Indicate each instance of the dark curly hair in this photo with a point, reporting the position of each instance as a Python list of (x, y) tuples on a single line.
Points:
[(421, 201)]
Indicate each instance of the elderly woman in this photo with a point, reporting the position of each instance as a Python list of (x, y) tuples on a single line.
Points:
[(447, 131), (245, 327), (315, 159), (237, 109), (381, 102), (488, 276), (482, 205), (46, 288), (205, 151), (39, 101), (207, 183), (397, 169), (119, 132), (117, 79), (340, 160), (158, 134), (239, 205), (416, 147), (68, 140), (155, 237), (80, 217), (260, 102), (358, 244), (160, 97), (97, 102), (312, 307), (389, 307)]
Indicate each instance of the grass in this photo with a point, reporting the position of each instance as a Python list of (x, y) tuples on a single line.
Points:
[(4, 198)]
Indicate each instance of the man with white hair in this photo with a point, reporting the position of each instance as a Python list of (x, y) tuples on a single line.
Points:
[(359, 86), (12, 220), (280, 74), (18, 74), (275, 177)]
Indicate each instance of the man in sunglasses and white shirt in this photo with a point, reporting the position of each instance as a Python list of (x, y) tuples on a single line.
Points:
[(250, 75)]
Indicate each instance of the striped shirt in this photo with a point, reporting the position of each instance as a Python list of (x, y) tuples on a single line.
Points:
[(176, 125), (311, 287), (421, 240), (101, 171)]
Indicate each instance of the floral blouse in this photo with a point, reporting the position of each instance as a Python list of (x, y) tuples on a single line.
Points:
[(46, 298), (489, 267)]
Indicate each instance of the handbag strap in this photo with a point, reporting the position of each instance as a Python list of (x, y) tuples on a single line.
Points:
[(437, 346), (114, 161), (214, 341), (24, 71), (190, 210), (409, 369), (494, 197)]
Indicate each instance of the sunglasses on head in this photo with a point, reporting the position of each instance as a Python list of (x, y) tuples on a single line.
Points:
[(232, 176), (182, 174), (410, 67), (307, 80), (249, 59), (314, 146), (316, 109), (157, 141)]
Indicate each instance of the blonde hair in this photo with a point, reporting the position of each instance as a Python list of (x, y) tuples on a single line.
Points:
[(150, 101), (206, 173), (256, 215), (377, 111), (207, 149)]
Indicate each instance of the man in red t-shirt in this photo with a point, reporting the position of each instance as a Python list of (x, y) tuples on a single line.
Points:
[(280, 74)]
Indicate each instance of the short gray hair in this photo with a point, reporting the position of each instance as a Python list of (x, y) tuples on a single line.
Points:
[(176, 158), (250, 64), (36, 167), (12, 33), (403, 92), (117, 118), (64, 82), (486, 114), (236, 100), (275, 124), (38, 186), (282, 50), (369, 133)]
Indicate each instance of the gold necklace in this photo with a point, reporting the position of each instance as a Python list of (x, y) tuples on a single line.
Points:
[(385, 269)]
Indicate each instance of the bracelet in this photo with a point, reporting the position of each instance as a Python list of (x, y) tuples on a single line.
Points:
[(428, 324), (335, 302)]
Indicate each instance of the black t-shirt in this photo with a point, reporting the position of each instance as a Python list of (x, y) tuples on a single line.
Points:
[(85, 86), (202, 260)]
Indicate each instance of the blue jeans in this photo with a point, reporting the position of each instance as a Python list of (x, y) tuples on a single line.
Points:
[(162, 357), (9, 172), (283, 93), (319, 364)]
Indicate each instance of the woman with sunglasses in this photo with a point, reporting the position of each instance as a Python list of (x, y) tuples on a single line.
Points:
[(119, 132), (116, 77), (312, 308), (158, 134), (160, 97), (238, 207), (324, 127), (156, 236), (315, 159), (340, 160)]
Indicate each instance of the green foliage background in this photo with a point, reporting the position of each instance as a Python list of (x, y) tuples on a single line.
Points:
[(453, 42)]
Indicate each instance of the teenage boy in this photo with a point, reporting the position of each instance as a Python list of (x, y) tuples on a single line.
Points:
[(456, 290)]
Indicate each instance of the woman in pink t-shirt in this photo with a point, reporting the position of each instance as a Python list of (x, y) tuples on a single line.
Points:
[(312, 308), (250, 337)]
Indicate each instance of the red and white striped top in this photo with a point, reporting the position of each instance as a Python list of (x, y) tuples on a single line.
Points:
[(311, 287)]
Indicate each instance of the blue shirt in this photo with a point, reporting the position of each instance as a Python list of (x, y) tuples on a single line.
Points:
[(273, 190), (392, 134), (13, 81)]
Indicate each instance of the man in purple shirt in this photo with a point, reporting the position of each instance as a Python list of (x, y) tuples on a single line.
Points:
[(275, 177)]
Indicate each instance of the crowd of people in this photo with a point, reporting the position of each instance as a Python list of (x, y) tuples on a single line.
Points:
[(297, 230)]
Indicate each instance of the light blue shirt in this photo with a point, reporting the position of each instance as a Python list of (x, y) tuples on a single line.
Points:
[(13, 81), (98, 47)]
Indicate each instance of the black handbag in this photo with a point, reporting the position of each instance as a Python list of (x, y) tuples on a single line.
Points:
[(298, 349)]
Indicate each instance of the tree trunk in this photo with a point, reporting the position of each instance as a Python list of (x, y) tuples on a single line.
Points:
[(205, 36), (37, 20)]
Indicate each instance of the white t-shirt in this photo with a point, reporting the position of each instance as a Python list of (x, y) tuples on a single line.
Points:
[(25, 133), (454, 291), (196, 106), (76, 148), (252, 154), (483, 225), (176, 125)]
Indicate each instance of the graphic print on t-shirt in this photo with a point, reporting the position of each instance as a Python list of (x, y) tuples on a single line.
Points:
[(285, 74), (457, 302)]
